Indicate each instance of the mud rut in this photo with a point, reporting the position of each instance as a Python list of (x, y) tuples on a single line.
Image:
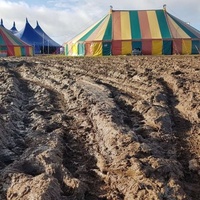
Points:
[(100, 128)]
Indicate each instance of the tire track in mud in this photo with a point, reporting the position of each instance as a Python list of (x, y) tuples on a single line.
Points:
[(181, 128), (136, 121), (15, 119), (15, 123), (125, 102), (76, 161), (77, 158)]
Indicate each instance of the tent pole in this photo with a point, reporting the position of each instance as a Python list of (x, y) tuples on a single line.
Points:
[(43, 43), (48, 46)]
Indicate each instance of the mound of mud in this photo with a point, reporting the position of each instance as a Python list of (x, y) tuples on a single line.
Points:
[(100, 128)]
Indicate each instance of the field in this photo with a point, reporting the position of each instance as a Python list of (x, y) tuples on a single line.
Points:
[(105, 128)]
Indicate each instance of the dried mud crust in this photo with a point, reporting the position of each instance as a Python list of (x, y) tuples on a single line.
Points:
[(100, 128)]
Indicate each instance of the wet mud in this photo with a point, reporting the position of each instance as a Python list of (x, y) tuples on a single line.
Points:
[(107, 128)]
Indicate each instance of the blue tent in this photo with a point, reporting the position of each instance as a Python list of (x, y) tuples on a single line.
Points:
[(40, 42), (30, 36), (13, 29), (50, 45)]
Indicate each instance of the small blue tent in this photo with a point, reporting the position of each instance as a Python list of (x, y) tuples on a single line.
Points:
[(14, 29)]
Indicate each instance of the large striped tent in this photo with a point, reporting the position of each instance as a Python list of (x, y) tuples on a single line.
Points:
[(10, 45), (154, 32)]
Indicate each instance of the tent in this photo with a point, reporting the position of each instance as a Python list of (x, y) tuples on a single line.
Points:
[(14, 29), (40, 41), (154, 32), (10, 45), (50, 45), (30, 36)]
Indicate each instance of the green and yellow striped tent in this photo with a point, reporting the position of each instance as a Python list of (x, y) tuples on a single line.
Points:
[(154, 32), (10, 45)]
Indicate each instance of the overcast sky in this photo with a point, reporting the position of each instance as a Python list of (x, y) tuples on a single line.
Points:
[(63, 19)]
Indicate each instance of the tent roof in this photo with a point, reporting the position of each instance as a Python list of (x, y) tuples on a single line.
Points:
[(137, 25), (29, 35), (35, 36), (13, 29), (51, 42), (8, 39), (10, 45), (181, 29)]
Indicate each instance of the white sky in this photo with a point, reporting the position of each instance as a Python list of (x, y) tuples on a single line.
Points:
[(63, 19)]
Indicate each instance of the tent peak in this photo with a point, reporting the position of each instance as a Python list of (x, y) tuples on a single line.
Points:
[(26, 20), (111, 8), (1, 22), (37, 23), (164, 7), (13, 29)]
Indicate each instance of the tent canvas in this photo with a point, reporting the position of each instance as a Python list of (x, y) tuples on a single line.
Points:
[(10, 45), (50, 46), (30, 36), (40, 43), (155, 32), (14, 29)]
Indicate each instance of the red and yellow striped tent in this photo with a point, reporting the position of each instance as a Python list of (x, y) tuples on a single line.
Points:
[(10, 45), (154, 32)]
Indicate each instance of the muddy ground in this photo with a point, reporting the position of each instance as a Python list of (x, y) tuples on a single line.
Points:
[(100, 128)]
